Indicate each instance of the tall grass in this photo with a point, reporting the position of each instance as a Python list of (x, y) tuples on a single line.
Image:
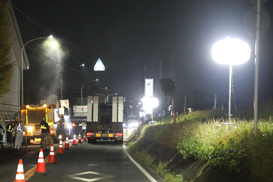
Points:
[(202, 135)]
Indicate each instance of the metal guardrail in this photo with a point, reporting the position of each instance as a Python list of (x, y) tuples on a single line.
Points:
[(220, 128)]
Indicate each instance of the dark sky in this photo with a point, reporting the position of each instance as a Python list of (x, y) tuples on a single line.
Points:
[(129, 35)]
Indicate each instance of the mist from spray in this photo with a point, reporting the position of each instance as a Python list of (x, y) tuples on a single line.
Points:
[(51, 72)]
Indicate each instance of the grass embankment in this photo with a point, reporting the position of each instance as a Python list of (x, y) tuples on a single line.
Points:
[(202, 135)]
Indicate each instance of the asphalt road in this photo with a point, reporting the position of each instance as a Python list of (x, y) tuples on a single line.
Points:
[(103, 161)]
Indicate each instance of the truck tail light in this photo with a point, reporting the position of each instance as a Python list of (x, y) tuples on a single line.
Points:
[(89, 134), (119, 134)]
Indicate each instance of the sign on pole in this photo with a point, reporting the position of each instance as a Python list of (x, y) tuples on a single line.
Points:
[(99, 66), (149, 87)]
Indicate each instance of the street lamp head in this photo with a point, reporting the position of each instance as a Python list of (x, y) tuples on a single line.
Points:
[(231, 51), (97, 80), (50, 37), (82, 65)]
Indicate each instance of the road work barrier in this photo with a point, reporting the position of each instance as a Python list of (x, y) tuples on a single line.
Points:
[(20, 177), (60, 149), (74, 140), (66, 146), (51, 158), (41, 163)]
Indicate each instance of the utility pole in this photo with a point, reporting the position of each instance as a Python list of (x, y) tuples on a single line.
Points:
[(160, 95), (174, 95), (185, 104)]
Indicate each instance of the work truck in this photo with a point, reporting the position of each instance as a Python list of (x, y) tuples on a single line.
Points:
[(104, 120), (32, 115)]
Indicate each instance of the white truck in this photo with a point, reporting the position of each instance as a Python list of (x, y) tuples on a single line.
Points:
[(104, 120)]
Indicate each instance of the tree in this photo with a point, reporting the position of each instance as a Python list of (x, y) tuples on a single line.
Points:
[(6, 67)]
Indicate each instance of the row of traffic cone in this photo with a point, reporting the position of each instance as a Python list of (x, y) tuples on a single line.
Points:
[(79, 139), (20, 177)]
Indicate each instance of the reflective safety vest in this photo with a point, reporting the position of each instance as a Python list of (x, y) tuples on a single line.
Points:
[(10, 129), (43, 127)]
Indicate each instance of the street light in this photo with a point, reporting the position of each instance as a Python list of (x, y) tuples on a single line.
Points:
[(86, 83), (106, 98), (22, 59), (231, 51)]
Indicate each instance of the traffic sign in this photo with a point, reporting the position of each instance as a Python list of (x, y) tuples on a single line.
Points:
[(99, 66)]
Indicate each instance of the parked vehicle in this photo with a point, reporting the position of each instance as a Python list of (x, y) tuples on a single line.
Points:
[(105, 120)]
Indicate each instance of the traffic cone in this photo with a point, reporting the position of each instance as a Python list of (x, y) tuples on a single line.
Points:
[(41, 163), (74, 140), (84, 137), (60, 149), (80, 138), (20, 177), (51, 158), (66, 146)]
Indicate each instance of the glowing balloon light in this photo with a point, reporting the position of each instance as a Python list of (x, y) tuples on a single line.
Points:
[(231, 51)]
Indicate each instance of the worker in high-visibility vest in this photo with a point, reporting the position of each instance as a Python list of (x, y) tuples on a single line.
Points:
[(9, 129), (44, 131)]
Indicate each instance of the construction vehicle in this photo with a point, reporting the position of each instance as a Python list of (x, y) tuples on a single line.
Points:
[(32, 116), (104, 120)]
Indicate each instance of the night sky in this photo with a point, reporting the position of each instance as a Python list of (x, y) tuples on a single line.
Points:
[(130, 37)]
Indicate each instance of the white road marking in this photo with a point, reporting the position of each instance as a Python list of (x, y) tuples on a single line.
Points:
[(139, 166), (101, 176)]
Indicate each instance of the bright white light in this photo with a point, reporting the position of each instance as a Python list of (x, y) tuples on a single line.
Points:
[(149, 103), (30, 128), (231, 51), (82, 64)]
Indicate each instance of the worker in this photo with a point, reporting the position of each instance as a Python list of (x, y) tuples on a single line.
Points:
[(9, 129), (61, 130), (83, 128), (44, 132), (18, 130)]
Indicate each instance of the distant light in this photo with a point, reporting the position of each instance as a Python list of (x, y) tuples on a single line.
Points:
[(82, 64), (231, 51), (50, 37), (98, 80)]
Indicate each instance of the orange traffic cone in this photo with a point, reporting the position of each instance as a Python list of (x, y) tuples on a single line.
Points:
[(84, 137), (51, 158), (74, 140), (80, 138), (41, 163), (20, 177), (60, 150), (66, 146)]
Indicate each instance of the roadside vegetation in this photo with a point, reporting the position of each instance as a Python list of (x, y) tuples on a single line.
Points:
[(203, 135), (6, 67)]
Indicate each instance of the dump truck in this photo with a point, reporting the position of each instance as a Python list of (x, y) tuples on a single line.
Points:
[(104, 120)]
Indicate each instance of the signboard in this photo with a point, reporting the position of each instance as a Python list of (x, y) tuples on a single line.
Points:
[(99, 66), (64, 107), (149, 87)]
